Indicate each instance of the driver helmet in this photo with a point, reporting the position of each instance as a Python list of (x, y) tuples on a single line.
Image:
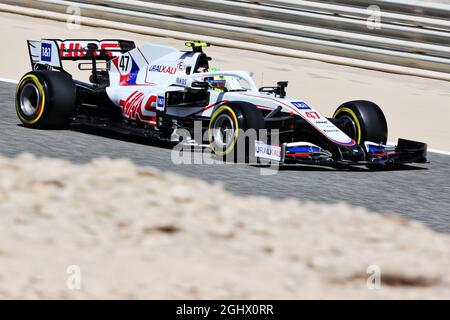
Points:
[(217, 82)]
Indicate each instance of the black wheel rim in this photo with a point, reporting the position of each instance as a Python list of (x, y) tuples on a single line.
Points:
[(349, 126)]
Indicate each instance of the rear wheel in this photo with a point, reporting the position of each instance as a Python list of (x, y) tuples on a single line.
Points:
[(233, 129), (45, 99), (363, 121)]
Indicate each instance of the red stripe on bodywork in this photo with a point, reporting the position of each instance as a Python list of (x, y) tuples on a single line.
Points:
[(148, 105), (300, 155), (123, 103)]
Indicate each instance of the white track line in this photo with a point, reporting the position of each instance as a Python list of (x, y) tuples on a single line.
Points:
[(9, 80), (447, 153)]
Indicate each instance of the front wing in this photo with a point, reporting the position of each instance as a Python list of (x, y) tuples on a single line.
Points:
[(406, 151)]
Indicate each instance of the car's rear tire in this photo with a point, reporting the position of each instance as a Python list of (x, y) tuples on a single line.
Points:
[(363, 121), (228, 132), (45, 99)]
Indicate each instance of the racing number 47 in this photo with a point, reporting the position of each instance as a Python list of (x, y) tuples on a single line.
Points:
[(314, 115), (123, 63)]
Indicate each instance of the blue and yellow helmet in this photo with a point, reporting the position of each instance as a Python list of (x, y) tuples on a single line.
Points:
[(217, 82)]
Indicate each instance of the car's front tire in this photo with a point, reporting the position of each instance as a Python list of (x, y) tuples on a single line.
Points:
[(363, 121), (233, 129), (45, 99)]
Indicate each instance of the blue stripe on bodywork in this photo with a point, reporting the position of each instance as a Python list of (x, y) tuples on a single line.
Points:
[(375, 149), (133, 73), (305, 149)]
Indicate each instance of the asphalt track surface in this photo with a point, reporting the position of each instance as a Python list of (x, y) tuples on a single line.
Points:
[(420, 192)]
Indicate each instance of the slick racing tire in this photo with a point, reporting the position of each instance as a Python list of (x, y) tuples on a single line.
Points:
[(233, 129), (363, 121), (45, 99)]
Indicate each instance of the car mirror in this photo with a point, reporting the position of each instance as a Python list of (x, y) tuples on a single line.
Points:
[(200, 85)]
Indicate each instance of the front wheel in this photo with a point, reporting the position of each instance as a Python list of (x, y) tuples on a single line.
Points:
[(362, 121), (233, 129), (45, 99)]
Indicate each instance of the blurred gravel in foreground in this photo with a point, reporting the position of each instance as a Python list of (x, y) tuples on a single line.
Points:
[(136, 232)]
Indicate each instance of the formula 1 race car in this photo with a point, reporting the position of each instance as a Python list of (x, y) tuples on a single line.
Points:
[(166, 94)]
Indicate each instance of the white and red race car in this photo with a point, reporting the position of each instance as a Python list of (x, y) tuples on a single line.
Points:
[(163, 93)]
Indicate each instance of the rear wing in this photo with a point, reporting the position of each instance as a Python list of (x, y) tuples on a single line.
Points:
[(48, 54)]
